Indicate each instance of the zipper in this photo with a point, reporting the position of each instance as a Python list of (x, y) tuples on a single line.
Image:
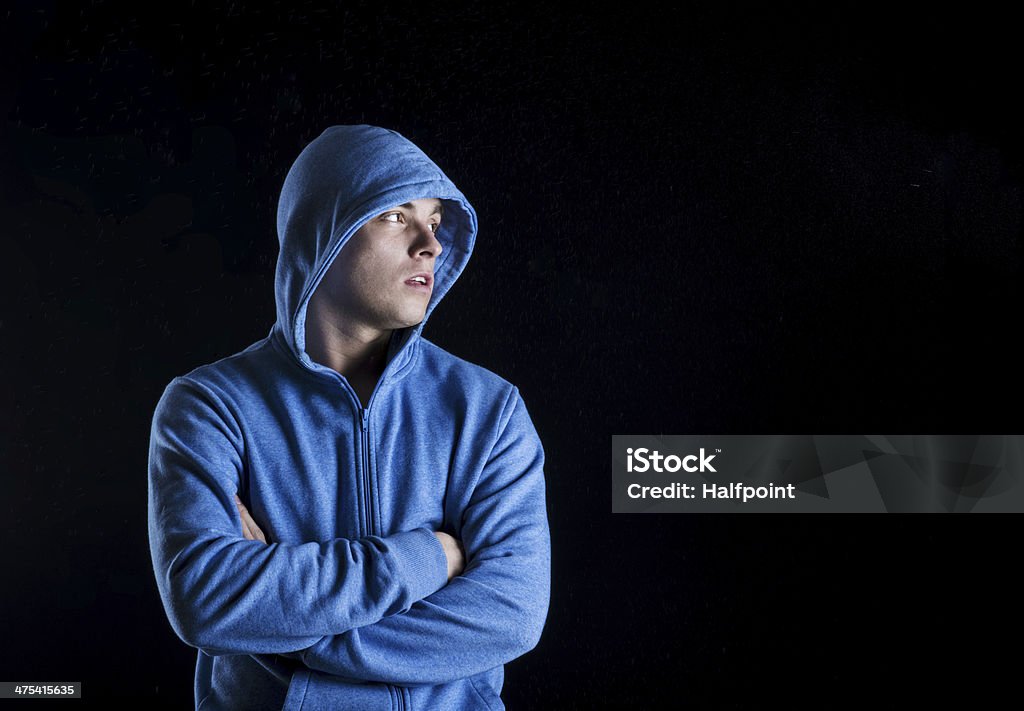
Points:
[(364, 431), (367, 498)]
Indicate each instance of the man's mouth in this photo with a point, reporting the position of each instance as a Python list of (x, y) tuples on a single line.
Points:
[(422, 281)]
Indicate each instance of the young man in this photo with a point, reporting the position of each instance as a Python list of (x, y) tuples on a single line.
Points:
[(344, 515)]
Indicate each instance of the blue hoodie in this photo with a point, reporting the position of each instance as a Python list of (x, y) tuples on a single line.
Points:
[(348, 605)]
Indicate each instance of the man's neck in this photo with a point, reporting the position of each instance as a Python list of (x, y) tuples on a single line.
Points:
[(357, 352)]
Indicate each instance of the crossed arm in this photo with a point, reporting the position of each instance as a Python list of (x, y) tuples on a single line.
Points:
[(453, 549), (370, 609)]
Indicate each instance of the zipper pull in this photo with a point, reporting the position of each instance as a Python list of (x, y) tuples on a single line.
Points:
[(366, 415)]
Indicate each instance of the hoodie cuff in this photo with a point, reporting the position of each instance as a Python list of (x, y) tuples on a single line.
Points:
[(419, 561)]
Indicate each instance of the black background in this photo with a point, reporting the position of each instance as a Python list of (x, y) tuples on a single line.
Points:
[(795, 220)]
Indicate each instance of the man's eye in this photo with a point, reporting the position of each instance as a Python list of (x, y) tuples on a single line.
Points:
[(435, 227), (388, 216)]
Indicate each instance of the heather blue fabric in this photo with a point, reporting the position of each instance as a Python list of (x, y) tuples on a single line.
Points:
[(348, 607)]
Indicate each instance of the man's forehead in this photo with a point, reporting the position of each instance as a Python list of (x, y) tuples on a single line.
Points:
[(435, 206)]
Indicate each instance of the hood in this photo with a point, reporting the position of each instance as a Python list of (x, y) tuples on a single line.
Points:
[(344, 177)]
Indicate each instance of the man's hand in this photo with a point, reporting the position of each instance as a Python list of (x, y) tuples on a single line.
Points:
[(249, 528), (454, 552)]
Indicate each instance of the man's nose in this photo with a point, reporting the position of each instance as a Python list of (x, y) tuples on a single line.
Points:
[(427, 242)]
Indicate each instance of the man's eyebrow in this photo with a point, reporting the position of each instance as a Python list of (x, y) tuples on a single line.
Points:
[(438, 209)]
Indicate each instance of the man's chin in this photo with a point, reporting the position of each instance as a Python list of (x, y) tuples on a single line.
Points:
[(410, 322)]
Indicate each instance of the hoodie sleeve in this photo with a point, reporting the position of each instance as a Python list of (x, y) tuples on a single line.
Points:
[(493, 612), (228, 595)]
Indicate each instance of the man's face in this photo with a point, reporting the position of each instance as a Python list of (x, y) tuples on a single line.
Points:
[(373, 281)]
